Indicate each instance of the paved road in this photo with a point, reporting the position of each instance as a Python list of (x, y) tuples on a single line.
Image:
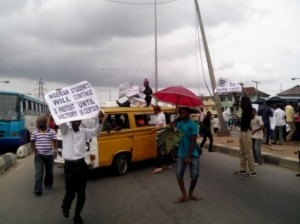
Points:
[(140, 197)]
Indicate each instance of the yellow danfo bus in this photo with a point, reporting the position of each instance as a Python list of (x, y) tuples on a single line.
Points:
[(126, 137)]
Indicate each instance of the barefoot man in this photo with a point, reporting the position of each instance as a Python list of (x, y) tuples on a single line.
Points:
[(188, 154)]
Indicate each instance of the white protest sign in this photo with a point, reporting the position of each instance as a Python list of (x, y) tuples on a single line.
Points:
[(76, 102), (226, 86)]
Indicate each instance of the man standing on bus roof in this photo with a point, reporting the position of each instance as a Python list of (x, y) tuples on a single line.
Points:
[(43, 143), (75, 168)]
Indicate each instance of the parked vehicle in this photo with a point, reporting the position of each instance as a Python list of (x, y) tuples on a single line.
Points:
[(126, 137)]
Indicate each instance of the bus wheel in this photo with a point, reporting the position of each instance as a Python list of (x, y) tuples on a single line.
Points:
[(121, 165), (174, 154)]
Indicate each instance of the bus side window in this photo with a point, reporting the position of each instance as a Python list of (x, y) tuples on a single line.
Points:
[(139, 120), (125, 121)]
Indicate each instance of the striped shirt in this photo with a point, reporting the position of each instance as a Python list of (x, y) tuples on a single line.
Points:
[(43, 141)]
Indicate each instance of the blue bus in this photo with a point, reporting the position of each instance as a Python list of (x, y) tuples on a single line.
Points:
[(18, 115)]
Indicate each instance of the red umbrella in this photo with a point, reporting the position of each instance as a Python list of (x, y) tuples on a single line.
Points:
[(179, 96)]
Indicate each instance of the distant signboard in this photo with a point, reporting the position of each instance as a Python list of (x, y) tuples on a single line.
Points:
[(226, 86), (76, 102)]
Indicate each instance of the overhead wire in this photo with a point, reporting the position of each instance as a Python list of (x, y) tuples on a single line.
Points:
[(139, 3)]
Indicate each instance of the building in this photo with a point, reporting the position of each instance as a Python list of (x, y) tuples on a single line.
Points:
[(209, 104), (227, 99)]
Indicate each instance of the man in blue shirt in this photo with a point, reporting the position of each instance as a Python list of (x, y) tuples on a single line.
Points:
[(187, 154)]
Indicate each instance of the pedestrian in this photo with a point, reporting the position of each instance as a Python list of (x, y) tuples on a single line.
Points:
[(188, 154), (257, 127), (43, 143), (246, 155), (266, 113), (147, 91), (272, 124), (162, 159), (206, 127), (215, 124), (75, 168), (280, 123), (226, 115), (289, 111), (201, 116)]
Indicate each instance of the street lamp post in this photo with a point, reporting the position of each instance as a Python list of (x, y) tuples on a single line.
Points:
[(109, 79)]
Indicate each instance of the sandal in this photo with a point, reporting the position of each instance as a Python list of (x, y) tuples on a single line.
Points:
[(182, 199), (157, 170)]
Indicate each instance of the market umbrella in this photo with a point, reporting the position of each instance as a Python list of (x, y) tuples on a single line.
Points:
[(260, 101), (275, 99), (179, 96)]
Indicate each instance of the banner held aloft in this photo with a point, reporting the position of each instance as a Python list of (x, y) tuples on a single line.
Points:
[(76, 102)]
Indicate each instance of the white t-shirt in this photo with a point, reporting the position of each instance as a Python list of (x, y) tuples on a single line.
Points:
[(215, 122), (279, 117), (160, 120), (256, 123)]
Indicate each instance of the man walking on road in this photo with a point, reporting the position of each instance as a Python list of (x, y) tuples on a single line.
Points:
[(246, 155), (161, 158), (75, 168), (188, 154), (43, 143), (206, 131)]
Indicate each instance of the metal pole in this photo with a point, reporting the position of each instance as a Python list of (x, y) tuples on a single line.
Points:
[(223, 130), (256, 90), (155, 28), (109, 79)]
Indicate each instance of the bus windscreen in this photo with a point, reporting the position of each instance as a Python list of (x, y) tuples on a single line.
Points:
[(9, 109)]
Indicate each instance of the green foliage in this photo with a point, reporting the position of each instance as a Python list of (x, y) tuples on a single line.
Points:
[(168, 138)]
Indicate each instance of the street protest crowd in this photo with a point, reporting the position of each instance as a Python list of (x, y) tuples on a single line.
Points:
[(270, 124)]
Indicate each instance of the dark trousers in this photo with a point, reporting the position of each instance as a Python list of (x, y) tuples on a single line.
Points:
[(162, 158), (75, 183), (41, 162), (207, 134), (267, 132)]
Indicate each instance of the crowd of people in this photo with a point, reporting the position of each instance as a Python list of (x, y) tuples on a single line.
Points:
[(267, 125)]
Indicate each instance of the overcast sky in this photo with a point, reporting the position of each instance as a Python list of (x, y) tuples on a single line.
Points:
[(68, 41)]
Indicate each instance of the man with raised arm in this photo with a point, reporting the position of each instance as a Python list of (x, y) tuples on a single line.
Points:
[(246, 155)]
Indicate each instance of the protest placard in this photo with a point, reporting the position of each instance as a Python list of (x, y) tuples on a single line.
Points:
[(76, 102), (226, 86)]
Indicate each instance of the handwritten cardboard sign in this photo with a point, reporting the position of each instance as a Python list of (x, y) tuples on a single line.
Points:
[(76, 102), (226, 86)]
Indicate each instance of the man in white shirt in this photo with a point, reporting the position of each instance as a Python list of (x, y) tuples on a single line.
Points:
[(257, 127), (75, 168), (160, 158), (280, 123)]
